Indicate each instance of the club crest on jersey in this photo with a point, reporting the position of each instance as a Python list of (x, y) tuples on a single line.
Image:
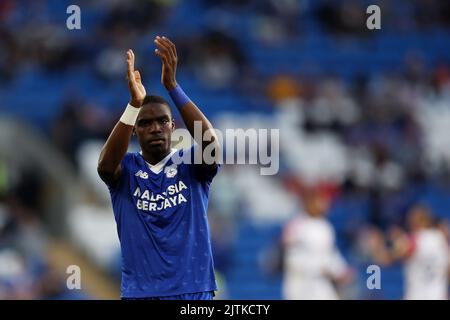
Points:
[(142, 174), (171, 171)]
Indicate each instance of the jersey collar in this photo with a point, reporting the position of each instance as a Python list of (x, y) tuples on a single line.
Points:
[(157, 168)]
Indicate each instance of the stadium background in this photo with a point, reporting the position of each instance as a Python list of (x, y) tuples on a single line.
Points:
[(363, 118)]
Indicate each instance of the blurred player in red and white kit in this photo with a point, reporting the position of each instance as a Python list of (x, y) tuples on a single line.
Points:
[(312, 264), (425, 252)]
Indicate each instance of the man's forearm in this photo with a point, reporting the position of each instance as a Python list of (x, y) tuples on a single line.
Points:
[(191, 114), (114, 149), (117, 144)]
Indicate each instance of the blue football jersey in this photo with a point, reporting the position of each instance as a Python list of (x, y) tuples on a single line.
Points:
[(163, 228)]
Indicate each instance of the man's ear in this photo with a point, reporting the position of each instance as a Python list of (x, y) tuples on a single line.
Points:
[(173, 124)]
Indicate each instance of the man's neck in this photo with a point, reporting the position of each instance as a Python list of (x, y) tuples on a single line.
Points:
[(154, 158)]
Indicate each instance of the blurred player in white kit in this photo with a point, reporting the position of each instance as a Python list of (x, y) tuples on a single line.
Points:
[(424, 251), (313, 265)]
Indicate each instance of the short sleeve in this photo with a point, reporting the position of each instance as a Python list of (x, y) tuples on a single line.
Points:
[(203, 172), (125, 165)]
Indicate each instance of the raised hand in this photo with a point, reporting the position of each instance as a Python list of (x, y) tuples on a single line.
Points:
[(137, 90), (167, 51)]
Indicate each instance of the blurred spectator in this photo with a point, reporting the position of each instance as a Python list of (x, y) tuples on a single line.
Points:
[(276, 21), (217, 60), (343, 18), (282, 87), (77, 123)]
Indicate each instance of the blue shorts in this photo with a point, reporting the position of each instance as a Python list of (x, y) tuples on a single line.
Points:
[(207, 295)]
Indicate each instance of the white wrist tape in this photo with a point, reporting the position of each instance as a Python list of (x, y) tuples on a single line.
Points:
[(130, 115)]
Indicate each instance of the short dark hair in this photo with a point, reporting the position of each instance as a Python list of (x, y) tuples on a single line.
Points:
[(149, 99)]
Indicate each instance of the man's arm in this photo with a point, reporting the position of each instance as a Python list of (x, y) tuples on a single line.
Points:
[(401, 246), (190, 113), (116, 146)]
